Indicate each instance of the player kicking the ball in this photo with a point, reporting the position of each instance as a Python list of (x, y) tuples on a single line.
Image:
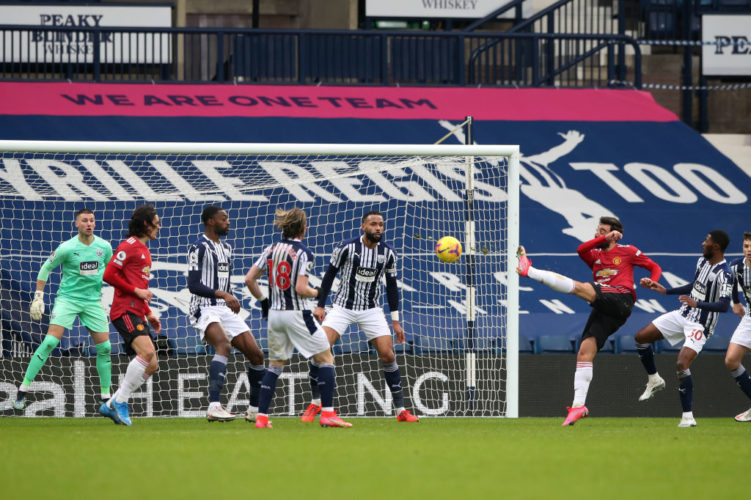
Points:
[(129, 272), (363, 261), (213, 312), (83, 259), (291, 325), (611, 295)]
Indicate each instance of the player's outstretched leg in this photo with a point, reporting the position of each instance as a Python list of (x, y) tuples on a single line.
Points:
[(555, 281)]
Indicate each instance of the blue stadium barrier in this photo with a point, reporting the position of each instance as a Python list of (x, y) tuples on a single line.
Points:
[(717, 343), (525, 345), (624, 344), (553, 344)]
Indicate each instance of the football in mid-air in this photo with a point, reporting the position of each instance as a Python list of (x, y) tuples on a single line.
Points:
[(448, 249)]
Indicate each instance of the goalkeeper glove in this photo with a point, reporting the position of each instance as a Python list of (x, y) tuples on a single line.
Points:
[(265, 306), (37, 306)]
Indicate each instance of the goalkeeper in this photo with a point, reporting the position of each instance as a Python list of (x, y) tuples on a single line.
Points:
[(83, 259)]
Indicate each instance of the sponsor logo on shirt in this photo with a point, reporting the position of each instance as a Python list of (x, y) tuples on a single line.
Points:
[(222, 270), (88, 268), (606, 273), (146, 272), (366, 274), (699, 292)]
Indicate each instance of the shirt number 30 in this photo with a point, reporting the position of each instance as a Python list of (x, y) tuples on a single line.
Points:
[(281, 276)]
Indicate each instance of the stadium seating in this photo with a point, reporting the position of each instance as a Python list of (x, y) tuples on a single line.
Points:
[(717, 344), (525, 345), (557, 344)]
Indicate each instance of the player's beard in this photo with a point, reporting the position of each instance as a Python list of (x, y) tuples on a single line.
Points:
[(222, 231), (604, 245), (372, 237)]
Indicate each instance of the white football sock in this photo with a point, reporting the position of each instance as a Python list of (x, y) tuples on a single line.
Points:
[(582, 378), (134, 377), (555, 281)]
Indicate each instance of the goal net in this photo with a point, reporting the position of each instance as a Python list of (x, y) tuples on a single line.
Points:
[(460, 319)]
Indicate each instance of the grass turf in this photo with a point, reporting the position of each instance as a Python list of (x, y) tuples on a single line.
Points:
[(377, 458)]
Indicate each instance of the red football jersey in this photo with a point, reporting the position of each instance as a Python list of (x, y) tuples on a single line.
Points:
[(614, 269), (129, 269)]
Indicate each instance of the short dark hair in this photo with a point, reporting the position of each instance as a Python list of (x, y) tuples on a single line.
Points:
[(615, 224), (372, 212), (140, 220), (747, 235), (84, 211), (209, 212), (721, 238)]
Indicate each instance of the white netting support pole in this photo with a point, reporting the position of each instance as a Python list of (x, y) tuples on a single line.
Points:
[(512, 291), (470, 355)]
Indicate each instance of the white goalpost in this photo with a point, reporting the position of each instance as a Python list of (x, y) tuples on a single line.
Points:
[(461, 318)]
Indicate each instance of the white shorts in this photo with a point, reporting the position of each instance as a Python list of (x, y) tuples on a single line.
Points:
[(230, 321), (299, 330), (742, 333), (372, 322), (674, 327)]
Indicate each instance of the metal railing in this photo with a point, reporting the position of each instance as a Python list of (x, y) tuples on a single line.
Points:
[(311, 56)]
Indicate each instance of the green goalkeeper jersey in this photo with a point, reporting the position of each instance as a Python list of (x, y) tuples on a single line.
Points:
[(83, 267)]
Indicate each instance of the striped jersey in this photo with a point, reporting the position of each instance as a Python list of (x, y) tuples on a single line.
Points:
[(711, 283), (285, 261), (742, 276), (209, 266), (361, 271)]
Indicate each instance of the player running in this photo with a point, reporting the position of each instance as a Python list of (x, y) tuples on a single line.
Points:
[(213, 312), (363, 262), (611, 295), (83, 259), (128, 271), (694, 322), (740, 342), (291, 325)]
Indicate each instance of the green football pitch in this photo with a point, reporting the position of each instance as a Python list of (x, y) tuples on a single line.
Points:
[(163, 459)]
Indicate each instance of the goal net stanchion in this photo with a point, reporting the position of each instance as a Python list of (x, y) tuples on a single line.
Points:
[(420, 191)]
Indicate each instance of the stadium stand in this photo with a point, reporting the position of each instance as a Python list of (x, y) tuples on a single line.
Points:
[(548, 344)]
